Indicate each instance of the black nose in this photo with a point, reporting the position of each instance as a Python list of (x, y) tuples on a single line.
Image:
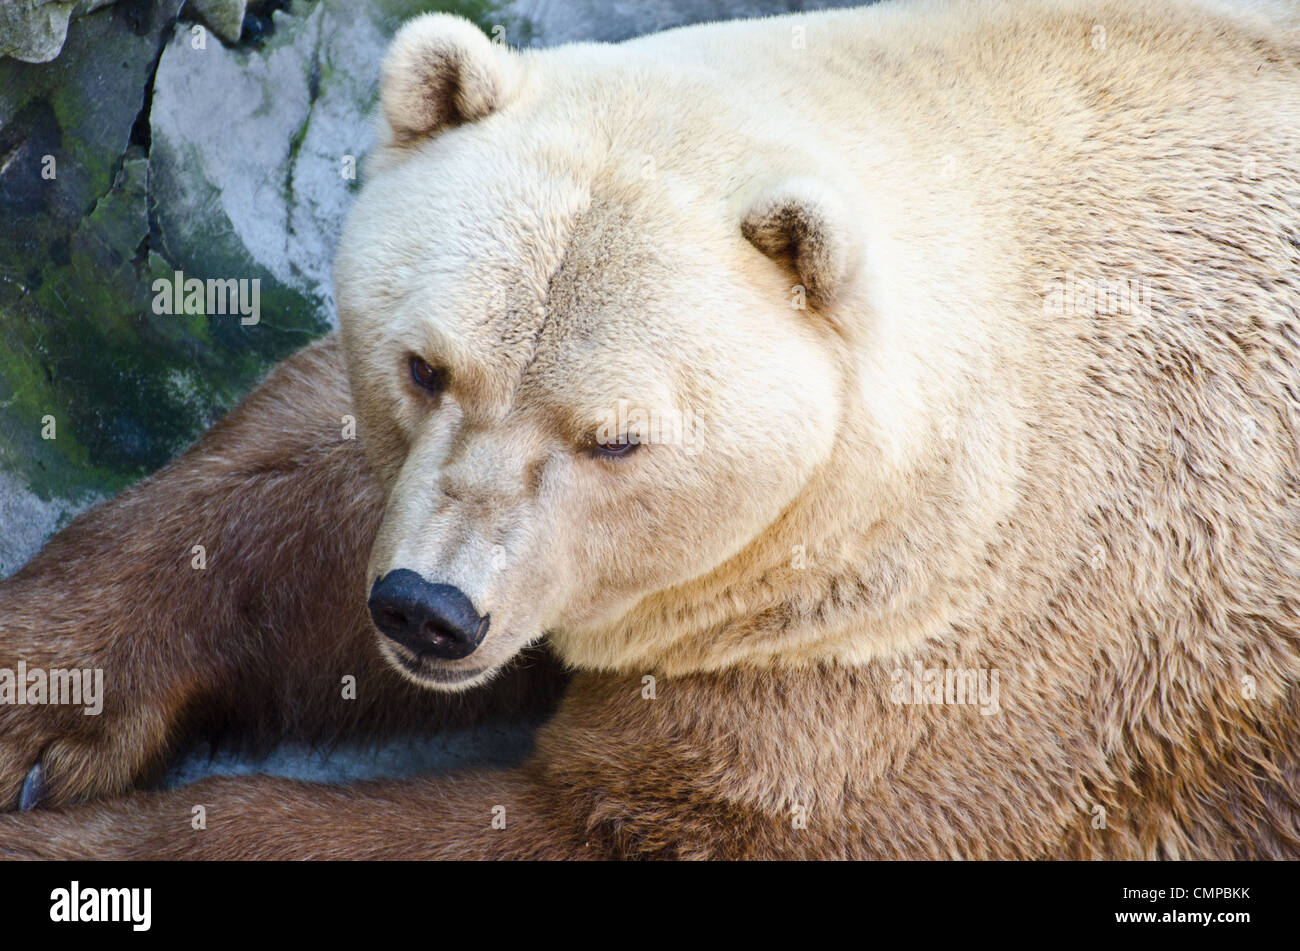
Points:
[(435, 619)]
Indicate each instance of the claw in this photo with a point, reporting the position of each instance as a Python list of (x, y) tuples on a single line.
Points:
[(33, 789)]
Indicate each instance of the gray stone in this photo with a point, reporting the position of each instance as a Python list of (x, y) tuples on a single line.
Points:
[(74, 211), (33, 31), (28, 520), (609, 21), (226, 17), (495, 745), (255, 152)]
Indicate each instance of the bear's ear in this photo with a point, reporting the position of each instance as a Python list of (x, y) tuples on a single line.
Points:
[(440, 71), (801, 224)]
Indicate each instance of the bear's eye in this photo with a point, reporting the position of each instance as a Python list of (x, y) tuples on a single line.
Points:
[(621, 447), (427, 376)]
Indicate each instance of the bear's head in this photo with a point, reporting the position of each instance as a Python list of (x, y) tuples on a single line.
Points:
[(605, 330)]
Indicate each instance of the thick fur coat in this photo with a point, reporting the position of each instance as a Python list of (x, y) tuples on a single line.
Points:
[(980, 323)]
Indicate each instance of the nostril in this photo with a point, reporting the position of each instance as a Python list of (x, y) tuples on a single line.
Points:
[(439, 634), (389, 618)]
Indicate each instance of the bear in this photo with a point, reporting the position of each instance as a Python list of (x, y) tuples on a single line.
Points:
[(862, 434)]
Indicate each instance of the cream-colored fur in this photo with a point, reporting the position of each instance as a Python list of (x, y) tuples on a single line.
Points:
[(927, 450)]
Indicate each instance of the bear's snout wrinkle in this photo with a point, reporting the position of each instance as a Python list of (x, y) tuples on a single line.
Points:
[(432, 620)]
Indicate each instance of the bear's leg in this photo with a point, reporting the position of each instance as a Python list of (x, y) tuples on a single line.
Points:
[(494, 815), (224, 594)]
